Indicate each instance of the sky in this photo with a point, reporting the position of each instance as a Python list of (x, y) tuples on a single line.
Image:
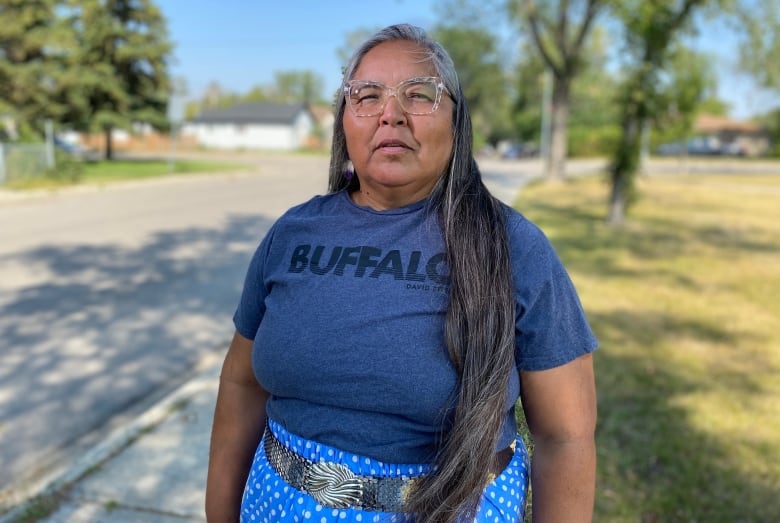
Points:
[(241, 43)]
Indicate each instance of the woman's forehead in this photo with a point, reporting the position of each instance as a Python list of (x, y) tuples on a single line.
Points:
[(395, 61)]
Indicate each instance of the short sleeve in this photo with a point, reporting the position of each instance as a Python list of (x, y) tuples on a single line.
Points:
[(551, 328), (251, 305)]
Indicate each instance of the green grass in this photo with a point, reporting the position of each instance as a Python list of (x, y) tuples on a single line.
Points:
[(139, 169), (122, 170), (685, 300)]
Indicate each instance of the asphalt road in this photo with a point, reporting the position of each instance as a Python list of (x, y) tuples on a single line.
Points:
[(111, 297)]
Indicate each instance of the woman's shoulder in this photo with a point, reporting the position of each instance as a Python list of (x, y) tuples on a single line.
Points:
[(315, 206), (521, 229)]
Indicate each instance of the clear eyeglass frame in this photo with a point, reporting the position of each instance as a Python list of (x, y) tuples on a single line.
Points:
[(351, 85)]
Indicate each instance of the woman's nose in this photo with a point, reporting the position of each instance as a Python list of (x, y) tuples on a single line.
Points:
[(393, 113)]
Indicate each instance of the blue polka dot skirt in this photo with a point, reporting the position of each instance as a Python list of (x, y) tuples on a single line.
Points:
[(268, 498)]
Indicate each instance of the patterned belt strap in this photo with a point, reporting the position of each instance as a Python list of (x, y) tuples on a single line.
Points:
[(335, 486)]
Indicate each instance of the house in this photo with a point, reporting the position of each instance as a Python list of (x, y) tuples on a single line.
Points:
[(325, 118), (253, 126), (732, 136)]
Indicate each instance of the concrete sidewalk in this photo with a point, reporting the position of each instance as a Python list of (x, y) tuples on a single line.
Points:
[(152, 470)]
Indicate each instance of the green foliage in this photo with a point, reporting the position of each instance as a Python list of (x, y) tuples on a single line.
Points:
[(686, 89), (651, 30), (587, 141), (296, 86), (771, 122), (34, 46), (528, 83), (86, 64), (26, 167), (24, 161), (217, 97), (593, 114), (474, 50), (101, 172), (713, 106), (558, 31), (69, 171), (759, 23), (66, 168), (122, 64), (289, 87), (352, 41)]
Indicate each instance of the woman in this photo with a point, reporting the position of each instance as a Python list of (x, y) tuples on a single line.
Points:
[(385, 330)]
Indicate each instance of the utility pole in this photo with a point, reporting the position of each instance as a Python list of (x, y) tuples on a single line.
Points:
[(175, 116), (544, 149), (49, 128)]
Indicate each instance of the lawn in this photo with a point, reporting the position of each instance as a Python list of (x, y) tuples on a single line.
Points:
[(137, 169), (685, 300), (70, 172)]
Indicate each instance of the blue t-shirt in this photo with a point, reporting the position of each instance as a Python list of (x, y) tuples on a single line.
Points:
[(346, 308)]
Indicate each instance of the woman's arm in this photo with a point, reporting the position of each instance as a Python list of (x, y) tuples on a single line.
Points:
[(560, 408), (239, 419)]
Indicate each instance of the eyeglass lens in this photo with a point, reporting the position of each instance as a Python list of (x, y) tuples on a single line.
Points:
[(416, 96)]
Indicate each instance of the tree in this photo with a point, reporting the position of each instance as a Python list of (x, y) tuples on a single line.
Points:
[(123, 58), (759, 23), (215, 97), (592, 123), (592, 115), (686, 88), (771, 121), (474, 50), (34, 44), (352, 41), (559, 40), (297, 86), (289, 87), (650, 31), (527, 94)]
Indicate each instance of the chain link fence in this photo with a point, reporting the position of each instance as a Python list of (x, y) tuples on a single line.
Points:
[(24, 160)]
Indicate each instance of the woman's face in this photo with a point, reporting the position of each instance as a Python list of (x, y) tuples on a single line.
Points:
[(398, 157)]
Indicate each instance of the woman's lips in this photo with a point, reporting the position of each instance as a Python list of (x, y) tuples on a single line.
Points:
[(393, 146)]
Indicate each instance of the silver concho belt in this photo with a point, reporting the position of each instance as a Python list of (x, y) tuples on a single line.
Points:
[(335, 486)]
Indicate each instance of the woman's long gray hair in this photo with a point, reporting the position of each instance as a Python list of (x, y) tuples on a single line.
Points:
[(479, 325)]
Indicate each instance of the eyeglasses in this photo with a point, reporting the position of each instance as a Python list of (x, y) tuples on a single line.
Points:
[(415, 95)]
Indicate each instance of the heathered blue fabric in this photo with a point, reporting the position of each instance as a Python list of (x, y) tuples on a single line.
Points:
[(346, 309)]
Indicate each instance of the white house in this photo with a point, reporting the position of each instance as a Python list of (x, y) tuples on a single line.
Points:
[(253, 126)]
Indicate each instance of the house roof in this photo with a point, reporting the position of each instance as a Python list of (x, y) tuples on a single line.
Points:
[(707, 123), (266, 112)]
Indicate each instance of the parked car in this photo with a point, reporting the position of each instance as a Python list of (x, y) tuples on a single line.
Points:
[(76, 151), (520, 150), (733, 149), (672, 149), (701, 146)]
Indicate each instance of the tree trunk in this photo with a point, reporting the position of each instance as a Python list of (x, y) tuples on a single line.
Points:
[(617, 203), (626, 162), (555, 163), (109, 144)]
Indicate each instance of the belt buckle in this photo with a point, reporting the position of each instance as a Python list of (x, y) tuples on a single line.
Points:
[(333, 485)]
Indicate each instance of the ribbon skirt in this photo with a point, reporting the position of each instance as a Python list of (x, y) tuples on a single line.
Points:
[(269, 498)]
